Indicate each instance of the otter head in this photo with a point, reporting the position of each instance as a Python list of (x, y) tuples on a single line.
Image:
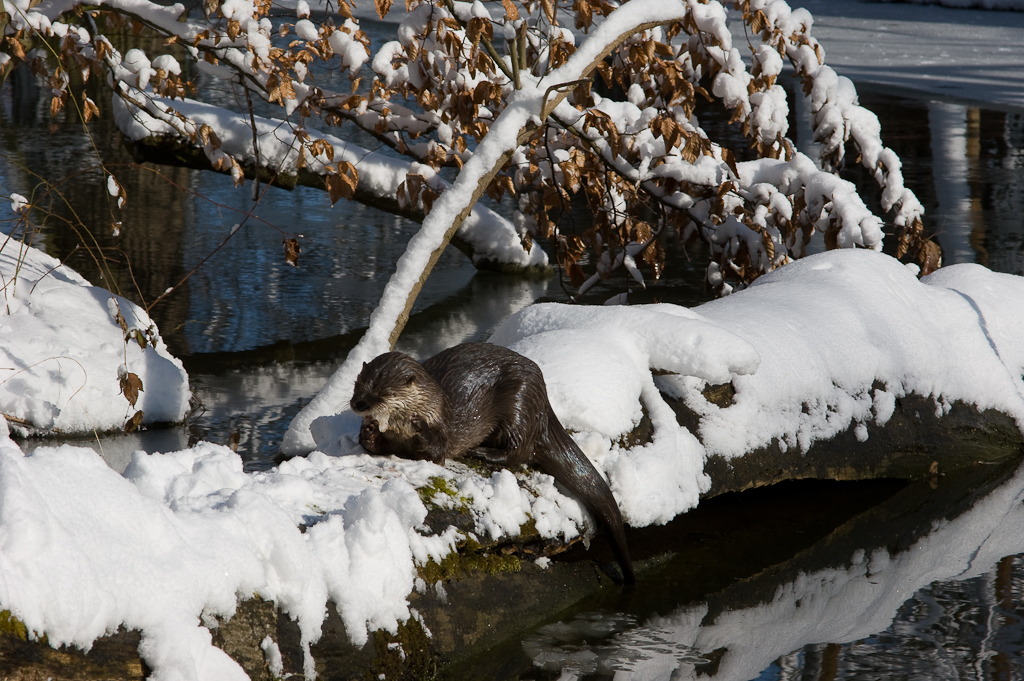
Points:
[(392, 389)]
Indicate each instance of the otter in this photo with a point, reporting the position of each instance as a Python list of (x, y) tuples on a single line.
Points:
[(485, 400)]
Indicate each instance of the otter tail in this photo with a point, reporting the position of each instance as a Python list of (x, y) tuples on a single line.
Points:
[(571, 467)]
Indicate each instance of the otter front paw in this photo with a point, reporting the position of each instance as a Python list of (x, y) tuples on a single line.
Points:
[(428, 445), (369, 435)]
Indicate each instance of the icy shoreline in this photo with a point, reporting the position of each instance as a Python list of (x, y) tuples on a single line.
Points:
[(926, 50)]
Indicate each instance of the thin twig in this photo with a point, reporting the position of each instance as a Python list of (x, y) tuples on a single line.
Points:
[(255, 145)]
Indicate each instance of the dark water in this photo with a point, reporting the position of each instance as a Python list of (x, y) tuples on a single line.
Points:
[(259, 338), (924, 583)]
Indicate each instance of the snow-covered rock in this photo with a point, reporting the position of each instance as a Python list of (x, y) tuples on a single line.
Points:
[(63, 351)]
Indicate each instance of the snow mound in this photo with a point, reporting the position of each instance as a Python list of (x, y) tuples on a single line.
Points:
[(843, 334), (62, 352), (182, 536)]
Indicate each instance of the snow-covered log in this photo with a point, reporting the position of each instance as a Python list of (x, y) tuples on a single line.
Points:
[(282, 157)]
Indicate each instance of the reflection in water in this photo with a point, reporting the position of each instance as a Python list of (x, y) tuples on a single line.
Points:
[(622, 647), (950, 170), (977, 159), (999, 190), (948, 602)]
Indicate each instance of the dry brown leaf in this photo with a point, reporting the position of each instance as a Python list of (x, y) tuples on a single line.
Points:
[(584, 14), (758, 21), (16, 48), (511, 11), (335, 187), (483, 92), (131, 386), (350, 176), (691, 150), (730, 160), (133, 424), (571, 172), (477, 28), (56, 104), (291, 252), (549, 10), (930, 258), (90, 108)]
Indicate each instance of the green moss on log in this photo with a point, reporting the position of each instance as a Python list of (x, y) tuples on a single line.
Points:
[(470, 558), (404, 655), (12, 626), (438, 485)]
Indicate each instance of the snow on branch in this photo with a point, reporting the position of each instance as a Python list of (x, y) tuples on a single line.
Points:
[(506, 97), (287, 157), (628, 144)]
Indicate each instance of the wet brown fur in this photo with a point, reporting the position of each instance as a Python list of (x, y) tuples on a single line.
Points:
[(484, 399)]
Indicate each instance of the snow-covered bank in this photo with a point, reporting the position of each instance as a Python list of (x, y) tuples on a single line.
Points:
[(181, 537), (945, 52), (186, 534), (63, 351)]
